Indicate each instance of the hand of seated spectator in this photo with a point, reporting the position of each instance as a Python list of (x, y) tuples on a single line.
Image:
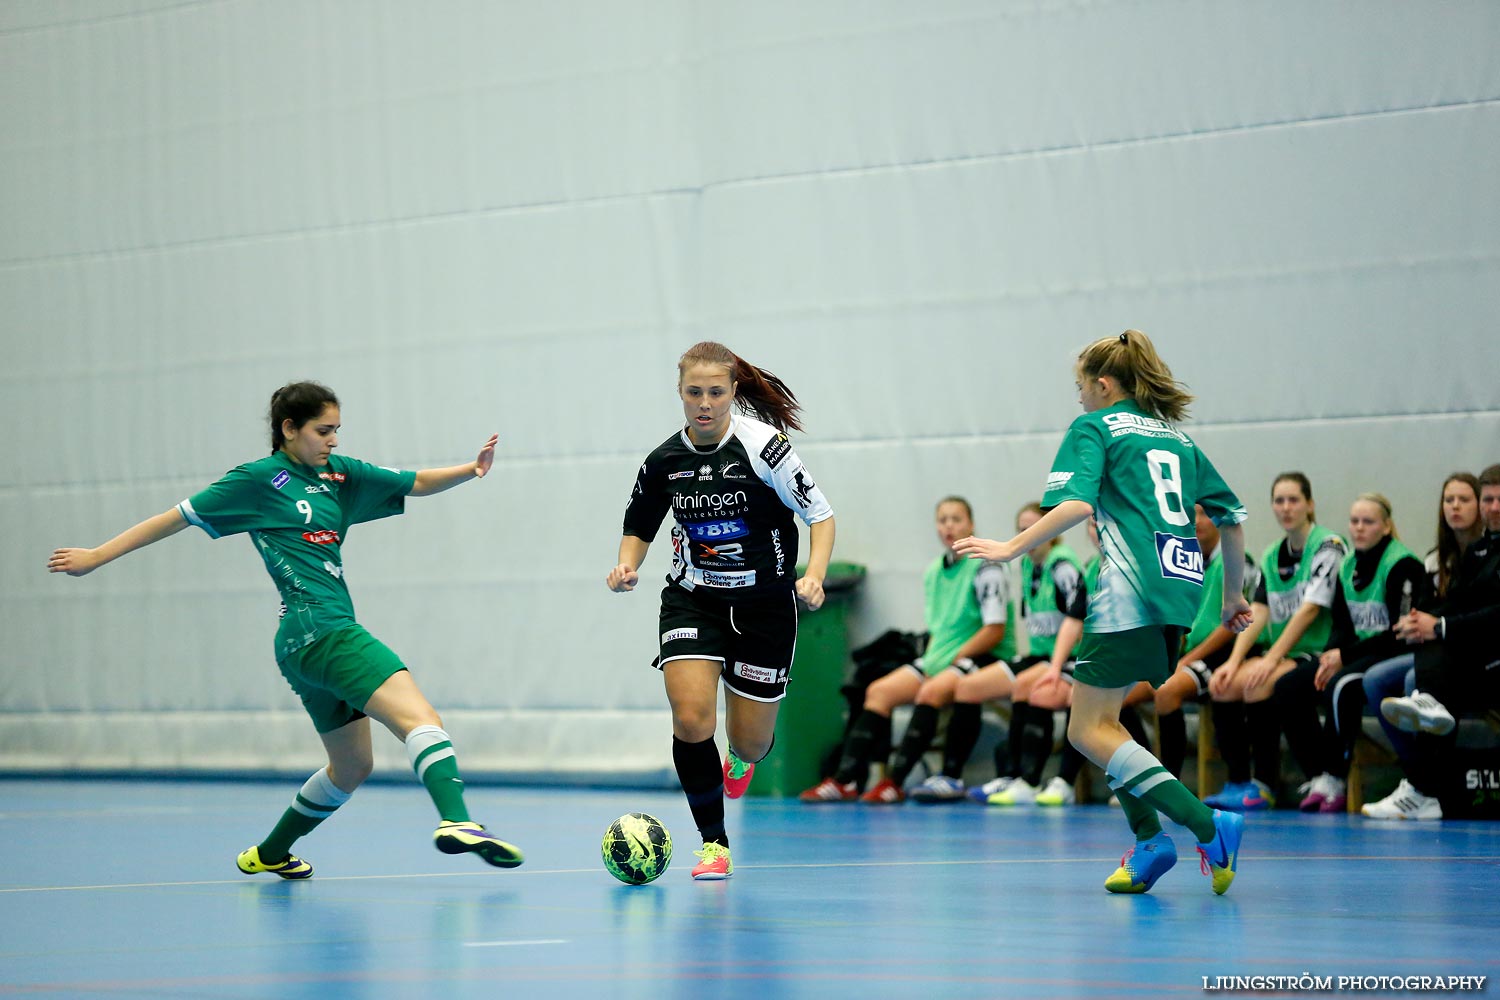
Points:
[(1330, 663), (1416, 627)]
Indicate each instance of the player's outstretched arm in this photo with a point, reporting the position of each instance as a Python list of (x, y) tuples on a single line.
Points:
[(430, 481), (624, 577), (78, 562), (1059, 519)]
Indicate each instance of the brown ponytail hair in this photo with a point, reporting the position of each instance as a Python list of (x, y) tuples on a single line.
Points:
[(1131, 360), (756, 390)]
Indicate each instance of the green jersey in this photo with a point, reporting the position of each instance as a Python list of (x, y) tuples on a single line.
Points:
[(1308, 577), (962, 596), (298, 517), (1211, 606), (1142, 476), (1046, 592), (1367, 608)]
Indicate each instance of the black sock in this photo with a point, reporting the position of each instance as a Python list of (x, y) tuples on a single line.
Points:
[(1265, 742), (1009, 766), (1345, 721), (1233, 738), (1036, 744), (1131, 720), (914, 743), (870, 739), (963, 733), (1071, 763), (1173, 729), (702, 778)]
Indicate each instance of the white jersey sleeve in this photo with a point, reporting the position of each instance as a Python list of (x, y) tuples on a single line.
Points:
[(1323, 579), (992, 591), (777, 465)]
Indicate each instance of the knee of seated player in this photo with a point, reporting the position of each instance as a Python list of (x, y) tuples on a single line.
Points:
[(1052, 697), (985, 684), (896, 688), (1170, 696), (937, 692)]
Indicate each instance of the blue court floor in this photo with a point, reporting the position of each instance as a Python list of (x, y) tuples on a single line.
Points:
[(129, 889)]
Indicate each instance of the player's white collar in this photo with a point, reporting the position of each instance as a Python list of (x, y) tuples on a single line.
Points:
[(734, 422)]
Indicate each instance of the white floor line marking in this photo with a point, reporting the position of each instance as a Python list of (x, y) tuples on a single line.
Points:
[(511, 944), (1256, 859)]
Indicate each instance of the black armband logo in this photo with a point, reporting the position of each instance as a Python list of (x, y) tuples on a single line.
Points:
[(776, 449)]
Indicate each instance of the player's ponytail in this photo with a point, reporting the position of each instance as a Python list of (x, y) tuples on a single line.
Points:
[(1131, 360), (298, 402), (756, 391)]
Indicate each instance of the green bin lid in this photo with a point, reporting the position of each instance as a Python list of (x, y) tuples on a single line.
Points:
[(841, 576)]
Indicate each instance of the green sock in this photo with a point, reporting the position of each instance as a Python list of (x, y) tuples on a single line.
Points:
[(1144, 822), (316, 801), (430, 751), (1134, 771)]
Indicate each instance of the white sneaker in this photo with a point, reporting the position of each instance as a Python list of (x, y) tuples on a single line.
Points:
[(982, 793), (1418, 713), (1018, 793), (1405, 803), (1056, 792), (938, 788)]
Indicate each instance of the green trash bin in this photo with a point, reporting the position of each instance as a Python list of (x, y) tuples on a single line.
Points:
[(811, 718)]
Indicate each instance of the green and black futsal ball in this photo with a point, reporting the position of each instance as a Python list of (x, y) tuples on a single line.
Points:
[(637, 848)]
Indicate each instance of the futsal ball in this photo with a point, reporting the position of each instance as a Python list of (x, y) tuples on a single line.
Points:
[(637, 848)]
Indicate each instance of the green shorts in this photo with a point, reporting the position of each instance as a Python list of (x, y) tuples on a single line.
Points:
[(337, 674), (1119, 659)]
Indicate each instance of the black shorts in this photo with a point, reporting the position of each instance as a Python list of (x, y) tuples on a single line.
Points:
[(753, 638), (965, 667)]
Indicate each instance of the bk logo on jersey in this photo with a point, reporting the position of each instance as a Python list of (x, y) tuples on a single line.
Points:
[(1180, 558)]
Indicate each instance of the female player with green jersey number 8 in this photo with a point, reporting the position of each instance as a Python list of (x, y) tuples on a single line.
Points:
[(298, 506), (1126, 463)]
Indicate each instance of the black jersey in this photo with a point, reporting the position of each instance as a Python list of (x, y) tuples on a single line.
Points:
[(733, 505)]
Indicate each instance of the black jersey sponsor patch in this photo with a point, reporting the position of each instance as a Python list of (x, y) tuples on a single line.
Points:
[(776, 449)]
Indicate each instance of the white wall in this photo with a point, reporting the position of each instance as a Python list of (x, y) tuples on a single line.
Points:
[(482, 216)]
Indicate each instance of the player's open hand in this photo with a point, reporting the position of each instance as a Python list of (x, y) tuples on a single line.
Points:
[(985, 548), (810, 592), (74, 562), (1220, 681), (486, 457), (622, 579)]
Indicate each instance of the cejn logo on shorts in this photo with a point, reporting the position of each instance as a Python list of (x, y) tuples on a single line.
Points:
[(679, 633), (761, 675), (1180, 558)]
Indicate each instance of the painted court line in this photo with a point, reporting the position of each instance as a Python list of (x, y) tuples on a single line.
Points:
[(1111, 859), (511, 944)]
